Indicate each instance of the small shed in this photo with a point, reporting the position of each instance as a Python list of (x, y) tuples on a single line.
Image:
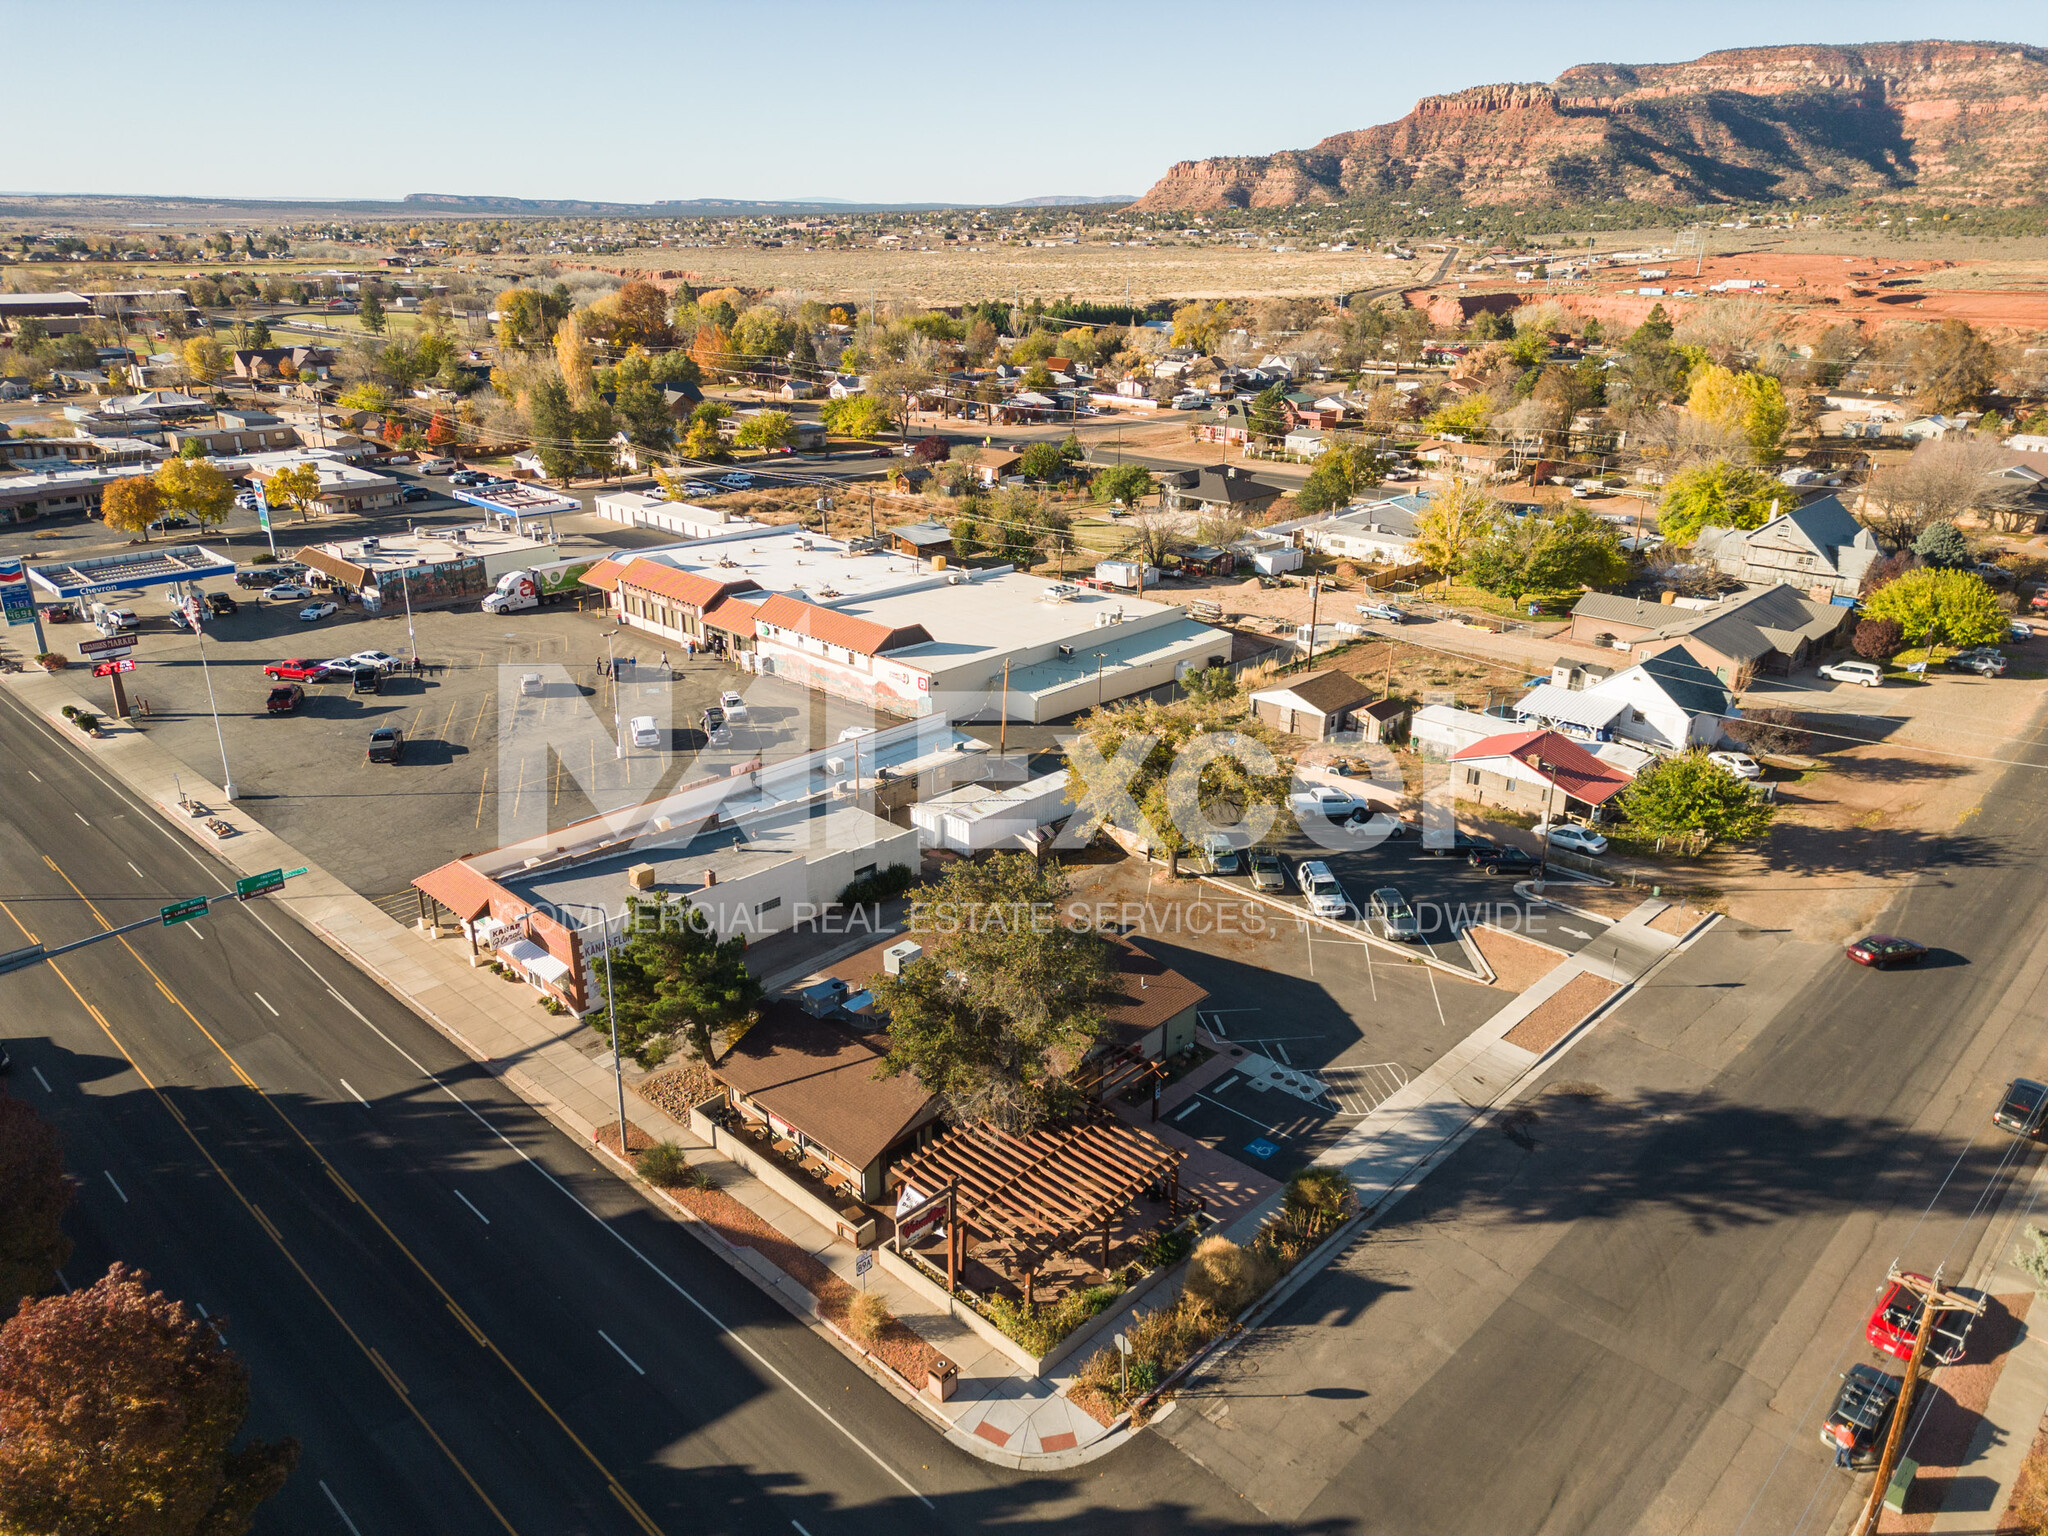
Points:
[(924, 539), (1319, 706)]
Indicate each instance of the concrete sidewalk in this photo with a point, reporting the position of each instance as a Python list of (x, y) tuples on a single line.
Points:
[(997, 1412)]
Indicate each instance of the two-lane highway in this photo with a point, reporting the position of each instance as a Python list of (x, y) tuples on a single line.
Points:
[(468, 1324)]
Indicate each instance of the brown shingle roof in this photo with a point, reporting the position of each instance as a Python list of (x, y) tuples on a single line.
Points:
[(1327, 692), (862, 636), (820, 1078), (1153, 992)]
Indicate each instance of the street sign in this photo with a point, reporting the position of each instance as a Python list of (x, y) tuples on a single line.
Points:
[(107, 645), (183, 911), (109, 668), (256, 885), (864, 1261), (17, 602), (293, 874)]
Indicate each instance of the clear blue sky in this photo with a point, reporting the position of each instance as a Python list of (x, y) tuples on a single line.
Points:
[(888, 101)]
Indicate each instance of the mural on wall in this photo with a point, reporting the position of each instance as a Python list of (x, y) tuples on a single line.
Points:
[(826, 677), (446, 581)]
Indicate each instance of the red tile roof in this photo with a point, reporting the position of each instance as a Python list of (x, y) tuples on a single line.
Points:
[(731, 615), (691, 588), (1573, 769), (605, 574), (460, 889), (863, 636)]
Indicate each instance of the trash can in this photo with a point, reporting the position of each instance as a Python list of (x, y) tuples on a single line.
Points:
[(944, 1377)]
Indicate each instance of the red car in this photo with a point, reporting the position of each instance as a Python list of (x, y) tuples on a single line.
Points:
[(1881, 952), (298, 670), (1895, 1321)]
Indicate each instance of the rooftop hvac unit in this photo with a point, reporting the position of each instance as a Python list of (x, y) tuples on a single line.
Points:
[(803, 541), (1066, 650), (835, 765), (956, 578), (369, 544), (897, 956)]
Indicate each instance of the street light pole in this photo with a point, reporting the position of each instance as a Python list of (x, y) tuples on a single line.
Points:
[(611, 665), (227, 785), (611, 1005)]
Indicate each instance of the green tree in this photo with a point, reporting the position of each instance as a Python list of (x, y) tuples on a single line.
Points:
[(703, 441), (1457, 521), (554, 427), (1037, 376), (1042, 461), (861, 416), (1721, 494), (296, 486), (673, 977), (1340, 473), (371, 311), (34, 1195), (119, 1410), (767, 429), (1548, 554), (1935, 607), (1694, 799), (364, 397), (1951, 366), (1126, 483), (1942, 544), (1004, 998), (1267, 418)]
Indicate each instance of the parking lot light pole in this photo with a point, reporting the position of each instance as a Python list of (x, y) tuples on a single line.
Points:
[(611, 1006), (611, 662), (227, 778), (1549, 800)]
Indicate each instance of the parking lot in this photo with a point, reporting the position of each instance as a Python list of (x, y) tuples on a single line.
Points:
[(1318, 1027), (306, 777)]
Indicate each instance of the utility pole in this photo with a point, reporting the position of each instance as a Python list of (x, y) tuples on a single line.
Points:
[(1003, 720), (1934, 1300), (1315, 599)]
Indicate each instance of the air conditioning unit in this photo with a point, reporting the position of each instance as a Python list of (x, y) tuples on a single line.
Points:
[(835, 765), (897, 956), (956, 578), (803, 541), (369, 544), (1067, 651)]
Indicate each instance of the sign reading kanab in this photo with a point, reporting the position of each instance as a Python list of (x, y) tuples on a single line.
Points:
[(17, 602)]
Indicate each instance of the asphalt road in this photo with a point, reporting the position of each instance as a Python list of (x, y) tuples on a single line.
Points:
[(466, 1323), (1626, 1307)]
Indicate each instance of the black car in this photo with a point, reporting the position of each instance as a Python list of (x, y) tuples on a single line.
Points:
[(387, 744), (366, 680), (1856, 1425), (417, 493), (1458, 845), (220, 605), (1983, 661), (1506, 859), (2023, 1108)]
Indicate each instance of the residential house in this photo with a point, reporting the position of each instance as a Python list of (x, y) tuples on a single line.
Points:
[(845, 386), (1305, 442), (1441, 731), (989, 465), (1664, 703), (1818, 548), (1230, 423), (1303, 408), (1218, 489), (1477, 461), (796, 389), (1923, 428), (1762, 629), (1318, 705), (1382, 532), (1538, 772)]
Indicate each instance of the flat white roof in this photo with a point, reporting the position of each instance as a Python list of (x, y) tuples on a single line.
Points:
[(996, 613), (396, 551), (827, 573)]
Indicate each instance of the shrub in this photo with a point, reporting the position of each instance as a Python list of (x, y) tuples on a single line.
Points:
[(1769, 731), (1168, 1247), (665, 1166), (69, 711), (1225, 1277), (1039, 1329), (263, 559), (86, 720), (1879, 639), (883, 885), (1318, 1201), (867, 1315)]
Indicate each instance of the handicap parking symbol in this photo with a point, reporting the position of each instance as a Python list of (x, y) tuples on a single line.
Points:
[(1262, 1148)]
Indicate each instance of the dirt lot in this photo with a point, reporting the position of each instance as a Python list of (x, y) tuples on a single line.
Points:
[(956, 274)]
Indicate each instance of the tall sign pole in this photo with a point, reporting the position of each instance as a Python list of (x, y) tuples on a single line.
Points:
[(18, 600)]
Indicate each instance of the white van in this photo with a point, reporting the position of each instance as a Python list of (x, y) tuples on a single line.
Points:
[(644, 731)]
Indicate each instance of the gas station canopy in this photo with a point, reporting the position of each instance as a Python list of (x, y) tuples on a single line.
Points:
[(170, 564)]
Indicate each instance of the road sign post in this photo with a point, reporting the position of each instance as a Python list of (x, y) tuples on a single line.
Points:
[(183, 911), (18, 600), (862, 1263), (257, 885)]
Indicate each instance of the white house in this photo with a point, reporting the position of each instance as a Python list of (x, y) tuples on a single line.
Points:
[(977, 817), (1380, 531), (1443, 731), (1925, 427), (1307, 444), (1664, 703), (845, 386)]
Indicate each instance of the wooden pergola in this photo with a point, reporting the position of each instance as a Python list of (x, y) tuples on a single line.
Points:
[(1044, 1190)]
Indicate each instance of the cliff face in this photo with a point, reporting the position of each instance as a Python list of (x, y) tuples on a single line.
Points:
[(1945, 120)]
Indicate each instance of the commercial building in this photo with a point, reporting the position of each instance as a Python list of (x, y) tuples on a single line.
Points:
[(344, 487), (131, 571), (681, 519), (445, 566), (978, 817), (58, 492)]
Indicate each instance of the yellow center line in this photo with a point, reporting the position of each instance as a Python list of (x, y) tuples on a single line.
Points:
[(369, 1210), (277, 1240)]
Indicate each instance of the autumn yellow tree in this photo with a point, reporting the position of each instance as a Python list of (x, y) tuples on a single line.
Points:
[(711, 350), (296, 486), (131, 504), (1452, 526), (1751, 405), (205, 359), (572, 356), (197, 489)]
